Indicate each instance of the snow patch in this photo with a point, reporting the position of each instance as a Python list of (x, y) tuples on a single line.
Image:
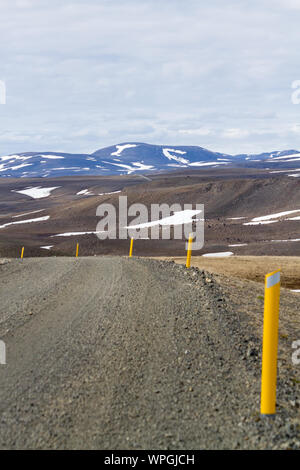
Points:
[(14, 157), (28, 221), (208, 163), (130, 169), (19, 166), (73, 234), (36, 192), (293, 157), (113, 192), (84, 192), (289, 240), (262, 222), (222, 254), (169, 156), (27, 213), (239, 244), (120, 149), (274, 216), (179, 218)]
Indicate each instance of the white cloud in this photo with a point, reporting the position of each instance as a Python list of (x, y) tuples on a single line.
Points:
[(235, 133), (295, 128), (201, 131), (292, 4), (24, 3), (87, 74)]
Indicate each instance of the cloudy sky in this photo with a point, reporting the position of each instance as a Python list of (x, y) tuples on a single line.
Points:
[(85, 74)]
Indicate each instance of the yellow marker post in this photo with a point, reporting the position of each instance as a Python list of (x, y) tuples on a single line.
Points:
[(189, 252), (131, 248), (270, 344), (22, 252), (77, 250)]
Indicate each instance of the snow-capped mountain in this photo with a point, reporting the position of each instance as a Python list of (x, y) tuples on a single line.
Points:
[(134, 157)]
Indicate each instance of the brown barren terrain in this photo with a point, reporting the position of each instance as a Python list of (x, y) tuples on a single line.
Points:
[(231, 198), (253, 268)]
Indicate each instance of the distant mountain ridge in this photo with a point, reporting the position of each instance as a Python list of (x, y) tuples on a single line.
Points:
[(136, 157)]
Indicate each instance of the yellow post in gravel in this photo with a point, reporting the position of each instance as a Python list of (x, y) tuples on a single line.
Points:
[(22, 252), (270, 344), (77, 250), (131, 248), (189, 252)]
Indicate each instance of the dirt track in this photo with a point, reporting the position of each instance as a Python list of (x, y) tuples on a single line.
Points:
[(113, 353)]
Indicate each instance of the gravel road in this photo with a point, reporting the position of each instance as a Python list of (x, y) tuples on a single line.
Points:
[(117, 353)]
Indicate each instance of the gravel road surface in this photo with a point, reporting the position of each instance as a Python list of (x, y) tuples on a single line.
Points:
[(117, 353)]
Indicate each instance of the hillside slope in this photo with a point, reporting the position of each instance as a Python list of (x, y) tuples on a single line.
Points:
[(232, 199), (129, 158)]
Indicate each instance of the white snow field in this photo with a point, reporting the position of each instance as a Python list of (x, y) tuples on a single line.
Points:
[(286, 158), (17, 167), (28, 221), (113, 192), (73, 234), (239, 244), (27, 213), (289, 240), (120, 149), (10, 158), (130, 169), (169, 156), (183, 161), (285, 171), (221, 254), (208, 163), (179, 218), (84, 192), (36, 192), (268, 219), (262, 222)]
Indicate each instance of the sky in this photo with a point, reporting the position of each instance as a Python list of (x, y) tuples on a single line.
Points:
[(85, 74)]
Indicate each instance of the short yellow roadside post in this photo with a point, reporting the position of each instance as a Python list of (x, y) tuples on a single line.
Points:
[(131, 248), (22, 252), (189, 252), (270, 344), (77, 250)]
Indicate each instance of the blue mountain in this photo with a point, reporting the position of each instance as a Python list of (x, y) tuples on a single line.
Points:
[(135, 157)]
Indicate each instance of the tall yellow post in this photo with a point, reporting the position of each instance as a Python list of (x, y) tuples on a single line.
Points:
[(189, 252), (270, 344), (22, 252), (77, 250), (131, 248)]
